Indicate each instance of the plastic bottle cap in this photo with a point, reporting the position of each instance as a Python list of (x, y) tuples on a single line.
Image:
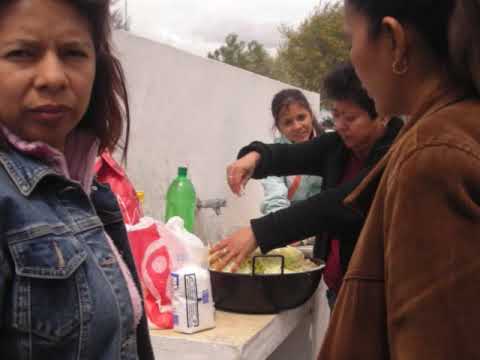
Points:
[(182, 171)]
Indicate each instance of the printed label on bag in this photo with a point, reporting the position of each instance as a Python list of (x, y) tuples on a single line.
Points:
[(205, 297), (175, 281), (191, 297)]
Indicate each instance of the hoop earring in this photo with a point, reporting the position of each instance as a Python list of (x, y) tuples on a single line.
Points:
[(397, 70)]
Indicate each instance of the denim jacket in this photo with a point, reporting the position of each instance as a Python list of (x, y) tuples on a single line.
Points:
[(62, 294)]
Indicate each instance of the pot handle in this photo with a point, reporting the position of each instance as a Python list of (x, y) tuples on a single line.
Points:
[(282, 262)]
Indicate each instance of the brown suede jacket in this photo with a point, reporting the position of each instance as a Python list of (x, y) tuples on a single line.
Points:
[(412, 289)]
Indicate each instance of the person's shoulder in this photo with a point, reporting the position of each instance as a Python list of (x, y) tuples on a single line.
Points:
[(455, 126), (5, 176), (437, 166), (9, 192), (327, 138), (442, 146)]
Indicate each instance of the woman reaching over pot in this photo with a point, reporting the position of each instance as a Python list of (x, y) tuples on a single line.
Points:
[(341, 158)]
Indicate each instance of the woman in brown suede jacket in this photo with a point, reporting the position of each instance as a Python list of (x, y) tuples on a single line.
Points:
[(412, 288)]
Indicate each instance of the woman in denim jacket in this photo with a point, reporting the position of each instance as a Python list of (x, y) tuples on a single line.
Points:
[(68, 287), (295, 121)]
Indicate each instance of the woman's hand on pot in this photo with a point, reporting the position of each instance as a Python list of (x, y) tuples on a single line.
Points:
[(240, 171), (235, 248)]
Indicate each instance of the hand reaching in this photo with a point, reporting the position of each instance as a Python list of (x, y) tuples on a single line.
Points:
[(236, 247), (240, 171)]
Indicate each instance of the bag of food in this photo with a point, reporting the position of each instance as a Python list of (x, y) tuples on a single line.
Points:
[(150, 243), (193, 306), (110, 172)]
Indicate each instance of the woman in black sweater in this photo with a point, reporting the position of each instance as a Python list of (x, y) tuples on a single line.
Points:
[(342, 158)]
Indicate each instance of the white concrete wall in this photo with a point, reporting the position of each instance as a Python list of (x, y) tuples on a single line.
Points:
[(189, 110)]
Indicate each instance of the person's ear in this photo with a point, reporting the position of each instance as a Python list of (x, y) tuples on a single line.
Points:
[(398, 38)]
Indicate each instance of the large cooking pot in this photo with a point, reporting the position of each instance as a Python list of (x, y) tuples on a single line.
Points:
[(264, 294)]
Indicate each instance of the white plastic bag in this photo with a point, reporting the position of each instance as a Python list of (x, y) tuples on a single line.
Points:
[(193, 308)]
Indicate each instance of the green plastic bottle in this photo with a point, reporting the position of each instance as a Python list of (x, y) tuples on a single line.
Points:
[(181, 199)]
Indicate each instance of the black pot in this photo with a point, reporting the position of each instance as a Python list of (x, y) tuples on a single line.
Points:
[(263, 294)]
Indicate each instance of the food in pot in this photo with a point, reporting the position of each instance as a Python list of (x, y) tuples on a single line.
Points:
[(294, 261)]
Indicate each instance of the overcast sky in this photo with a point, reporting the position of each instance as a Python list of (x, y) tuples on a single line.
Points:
[(199, 26)]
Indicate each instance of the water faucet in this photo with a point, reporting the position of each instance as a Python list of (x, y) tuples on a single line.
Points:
[(215, 204)]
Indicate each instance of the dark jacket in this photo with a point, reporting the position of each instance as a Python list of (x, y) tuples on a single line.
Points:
[(325, 156)]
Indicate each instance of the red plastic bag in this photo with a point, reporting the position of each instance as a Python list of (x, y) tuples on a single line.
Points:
[(149, 247), (110, 172), (154, 264)]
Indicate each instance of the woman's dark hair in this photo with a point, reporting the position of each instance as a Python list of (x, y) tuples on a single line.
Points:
[(287, 97), (343, 84), (108, 108), (449, 27)]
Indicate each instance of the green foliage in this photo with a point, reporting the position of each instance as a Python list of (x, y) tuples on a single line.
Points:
[(250, 56), (120, 20), (319, 44), (305, 55)]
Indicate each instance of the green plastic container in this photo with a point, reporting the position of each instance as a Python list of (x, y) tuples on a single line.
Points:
[(181, 199)]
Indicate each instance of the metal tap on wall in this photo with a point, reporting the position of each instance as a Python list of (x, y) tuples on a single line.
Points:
[(214, 204)]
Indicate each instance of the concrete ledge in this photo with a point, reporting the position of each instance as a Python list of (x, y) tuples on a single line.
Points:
[(236, 336)]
